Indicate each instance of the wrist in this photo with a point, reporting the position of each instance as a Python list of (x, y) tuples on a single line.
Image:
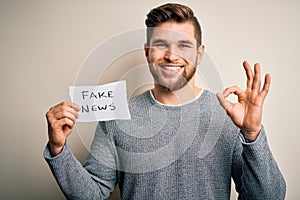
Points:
[(55, 150), (250, 136)]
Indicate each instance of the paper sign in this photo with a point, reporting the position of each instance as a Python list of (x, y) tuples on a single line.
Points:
[(101, 103)]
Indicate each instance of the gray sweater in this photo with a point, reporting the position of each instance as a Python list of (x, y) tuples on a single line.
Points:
[(171, 152)]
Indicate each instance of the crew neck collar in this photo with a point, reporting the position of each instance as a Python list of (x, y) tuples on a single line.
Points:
[(188, 102)]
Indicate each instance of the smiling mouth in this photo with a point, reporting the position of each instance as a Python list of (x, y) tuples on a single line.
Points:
[(171, 68)]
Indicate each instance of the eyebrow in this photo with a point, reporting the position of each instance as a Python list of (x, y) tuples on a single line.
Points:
[(180, 41), (186, 42), (159, 41)]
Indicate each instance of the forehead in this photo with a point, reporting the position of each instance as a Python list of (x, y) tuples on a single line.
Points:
[(174, 31)]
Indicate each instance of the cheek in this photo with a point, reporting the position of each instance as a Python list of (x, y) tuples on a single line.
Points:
[(190, 58), (155, 54)]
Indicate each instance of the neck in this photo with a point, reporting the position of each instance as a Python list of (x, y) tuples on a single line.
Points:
[(181, 96)]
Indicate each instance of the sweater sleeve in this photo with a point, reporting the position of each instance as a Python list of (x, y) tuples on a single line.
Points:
[(255, 171), (96, 179)]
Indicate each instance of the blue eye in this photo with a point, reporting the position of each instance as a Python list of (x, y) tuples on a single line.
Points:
[(160, 45), (184, 46)]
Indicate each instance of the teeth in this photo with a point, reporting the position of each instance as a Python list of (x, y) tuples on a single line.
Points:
[(173, 68)]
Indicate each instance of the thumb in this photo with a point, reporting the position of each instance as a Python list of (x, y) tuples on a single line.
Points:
[(224, 103)]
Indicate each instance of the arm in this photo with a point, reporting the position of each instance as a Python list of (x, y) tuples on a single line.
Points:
[(255, 171), (97, 178), (78, 182)]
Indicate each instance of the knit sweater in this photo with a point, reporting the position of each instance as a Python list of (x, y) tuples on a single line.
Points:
[(182, 152)]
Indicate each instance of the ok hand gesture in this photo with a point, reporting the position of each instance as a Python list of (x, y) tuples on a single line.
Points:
[(247, 112)]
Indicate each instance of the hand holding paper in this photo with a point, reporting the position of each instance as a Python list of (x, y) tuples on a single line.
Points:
[(60, 118), (90, 103)]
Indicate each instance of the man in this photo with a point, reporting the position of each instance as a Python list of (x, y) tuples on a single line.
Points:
[(179, 144)]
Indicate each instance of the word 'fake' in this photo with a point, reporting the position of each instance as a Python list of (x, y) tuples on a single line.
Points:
[(96, 95)]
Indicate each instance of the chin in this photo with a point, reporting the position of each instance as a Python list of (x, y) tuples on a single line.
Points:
[(174, 85)]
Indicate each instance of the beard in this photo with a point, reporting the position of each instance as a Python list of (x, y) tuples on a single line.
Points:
[(176, 83)]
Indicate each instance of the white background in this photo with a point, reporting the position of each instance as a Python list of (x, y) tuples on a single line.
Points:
[(43, 43)]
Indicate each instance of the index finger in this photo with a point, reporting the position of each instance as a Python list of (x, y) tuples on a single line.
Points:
[(75, 106), (69, 105), (72, 105)]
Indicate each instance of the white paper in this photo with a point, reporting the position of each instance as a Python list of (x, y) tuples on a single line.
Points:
[(101, 103)]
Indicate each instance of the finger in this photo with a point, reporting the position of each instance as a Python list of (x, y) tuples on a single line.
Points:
[(55, 123), (65, 122), (257, 79), (65, 107), (224, 103), (233, 90), (75, 107), (66, 114), (59, 112), (266, 86), (249, 74)]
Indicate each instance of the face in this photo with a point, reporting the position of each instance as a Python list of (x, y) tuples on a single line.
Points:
[(173, 54)]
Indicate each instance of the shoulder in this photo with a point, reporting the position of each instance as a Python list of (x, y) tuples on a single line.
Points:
[(140, 103), (143, 98)]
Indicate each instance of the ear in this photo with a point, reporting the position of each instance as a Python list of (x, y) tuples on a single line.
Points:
[(200, 53), (146, 49)]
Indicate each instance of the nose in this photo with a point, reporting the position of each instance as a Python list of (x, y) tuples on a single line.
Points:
[(170, 55)]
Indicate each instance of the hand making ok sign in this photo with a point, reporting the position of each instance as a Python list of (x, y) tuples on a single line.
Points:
[(247, 112)]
